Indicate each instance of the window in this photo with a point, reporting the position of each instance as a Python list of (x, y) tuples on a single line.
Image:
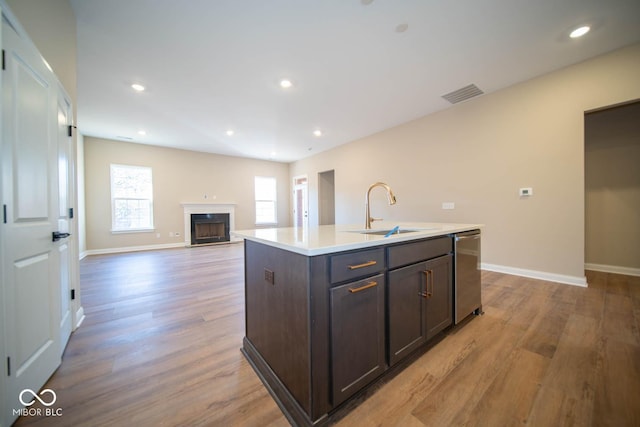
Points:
[(265, 200), (131, 198)]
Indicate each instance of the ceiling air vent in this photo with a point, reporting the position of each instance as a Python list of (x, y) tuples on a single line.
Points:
[(463, 94)]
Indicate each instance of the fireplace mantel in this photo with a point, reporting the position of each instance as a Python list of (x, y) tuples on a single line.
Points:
[(204, 208)]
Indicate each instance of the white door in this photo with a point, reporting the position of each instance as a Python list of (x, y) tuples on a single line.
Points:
[(30, 264), (300, 202), (65, 192)]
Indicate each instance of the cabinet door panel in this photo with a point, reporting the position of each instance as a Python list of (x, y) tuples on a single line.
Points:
[(406, 311), (440, 290), (357, 335)]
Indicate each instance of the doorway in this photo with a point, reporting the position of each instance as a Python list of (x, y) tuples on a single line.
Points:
[(300, 201), (612, 189), (326, 198)]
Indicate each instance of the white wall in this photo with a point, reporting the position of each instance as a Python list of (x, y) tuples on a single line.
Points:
[(478, 154), (179, 176), (82, 213)]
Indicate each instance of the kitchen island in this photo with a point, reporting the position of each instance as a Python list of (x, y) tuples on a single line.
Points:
[(330, 309)]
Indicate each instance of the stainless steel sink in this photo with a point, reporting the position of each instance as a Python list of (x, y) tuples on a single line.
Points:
[(384, 232)]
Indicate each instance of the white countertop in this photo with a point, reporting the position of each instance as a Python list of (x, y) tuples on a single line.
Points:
[(325, 239)]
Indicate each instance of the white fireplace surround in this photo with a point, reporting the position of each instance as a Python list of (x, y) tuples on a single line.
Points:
[(207, 208)]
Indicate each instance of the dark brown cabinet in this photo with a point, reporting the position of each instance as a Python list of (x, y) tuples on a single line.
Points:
[(357, 335), (407, 325), (439, 298), (420, 304), (321, 328)]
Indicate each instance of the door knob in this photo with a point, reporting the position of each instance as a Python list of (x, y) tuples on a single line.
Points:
[(56, 235)]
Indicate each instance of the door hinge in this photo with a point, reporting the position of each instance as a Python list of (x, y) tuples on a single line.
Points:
[(8, 366), (3, 66), (70, 213), (73, 294), (4, 213)]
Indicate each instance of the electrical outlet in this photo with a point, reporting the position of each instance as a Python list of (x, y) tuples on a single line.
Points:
[(448, 205), (171, 234), (525, 192)]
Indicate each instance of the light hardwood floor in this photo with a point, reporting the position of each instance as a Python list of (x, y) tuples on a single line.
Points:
[(160, 346)]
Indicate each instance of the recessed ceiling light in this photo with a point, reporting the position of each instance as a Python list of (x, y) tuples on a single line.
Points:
[(285, 83), (317, 132), (141, 132), (579, 32), (230, 132), (273, 154), (137, 87)]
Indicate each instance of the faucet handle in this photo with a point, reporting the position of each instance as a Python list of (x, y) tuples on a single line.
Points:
[(375, 219)]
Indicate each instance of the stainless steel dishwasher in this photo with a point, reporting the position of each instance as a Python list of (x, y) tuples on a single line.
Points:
[(467, 281)]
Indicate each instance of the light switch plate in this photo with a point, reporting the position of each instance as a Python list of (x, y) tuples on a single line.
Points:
[(448, 205)]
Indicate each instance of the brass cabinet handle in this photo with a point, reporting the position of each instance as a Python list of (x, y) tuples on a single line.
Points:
[(364, 264), (362, 288), (428, 280)]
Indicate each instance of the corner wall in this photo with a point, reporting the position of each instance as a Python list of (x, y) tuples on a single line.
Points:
[(478, 154)]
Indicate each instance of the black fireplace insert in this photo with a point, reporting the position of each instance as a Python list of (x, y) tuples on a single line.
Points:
[(209, 228)]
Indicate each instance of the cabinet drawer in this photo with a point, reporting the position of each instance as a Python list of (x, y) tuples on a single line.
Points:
[(410, 253), (356, 264)]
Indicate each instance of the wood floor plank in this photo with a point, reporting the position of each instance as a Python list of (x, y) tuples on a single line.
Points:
[(452, 401), (617, 393), (591, 302), (545, 330), (160, 347), (508, 401), (618, 320), (568, 388)]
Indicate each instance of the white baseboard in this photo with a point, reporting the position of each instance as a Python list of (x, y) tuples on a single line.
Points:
[(147, 248), (80, 317), (627, 271), (83, 255), (133, 249), (534, 274)]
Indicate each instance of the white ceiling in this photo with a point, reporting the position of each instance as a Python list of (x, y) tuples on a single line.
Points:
[(213, 65)]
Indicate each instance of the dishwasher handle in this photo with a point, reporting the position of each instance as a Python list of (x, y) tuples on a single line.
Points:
[(467, 236), (474, 236)]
